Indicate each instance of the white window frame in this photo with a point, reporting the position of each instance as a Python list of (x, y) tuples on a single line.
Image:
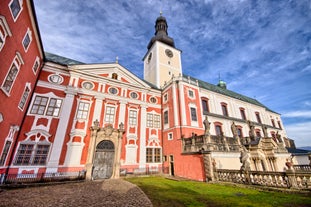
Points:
[(6, 31), (165, 97), (37, 64), (193, 94), (29, 34), (83, 113), (109, 118), (17, 63), (170, 136), (34, 153), (11, 134), (153, 120), (47, 106), (132, 117), (194, 122), (153, 154), (20, 11), (24, 97)]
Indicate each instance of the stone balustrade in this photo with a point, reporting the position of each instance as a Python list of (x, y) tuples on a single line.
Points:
[(288, 179)]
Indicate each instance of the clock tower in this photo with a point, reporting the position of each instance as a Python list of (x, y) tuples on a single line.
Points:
[(162, 60)]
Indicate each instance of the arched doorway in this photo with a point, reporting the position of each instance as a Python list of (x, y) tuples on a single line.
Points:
[(104, 160)]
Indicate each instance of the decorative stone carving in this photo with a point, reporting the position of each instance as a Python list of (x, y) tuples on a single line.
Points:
[(245, 159), (207, 126)]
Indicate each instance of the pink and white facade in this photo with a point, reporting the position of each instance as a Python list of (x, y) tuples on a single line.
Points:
[(103, 119)]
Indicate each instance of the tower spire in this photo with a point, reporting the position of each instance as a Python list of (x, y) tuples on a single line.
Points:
[(161, 34)]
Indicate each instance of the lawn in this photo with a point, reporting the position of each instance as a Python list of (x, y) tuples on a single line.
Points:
[(169, 193)]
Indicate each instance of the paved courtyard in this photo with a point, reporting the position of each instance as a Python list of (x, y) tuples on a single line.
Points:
[(114, 192)]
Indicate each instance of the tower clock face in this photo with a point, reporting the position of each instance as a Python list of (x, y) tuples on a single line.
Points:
[(169, 53)]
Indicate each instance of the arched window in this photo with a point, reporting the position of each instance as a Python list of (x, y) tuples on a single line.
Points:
[(239, 130), (205, 108), (114, 76), (224, 109), (218, 128), (258, 117), (242, 111)]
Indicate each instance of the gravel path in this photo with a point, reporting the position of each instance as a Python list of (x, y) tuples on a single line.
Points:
[(112, 192)]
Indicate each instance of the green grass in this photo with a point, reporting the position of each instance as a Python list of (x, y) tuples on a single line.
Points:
[(169, 193)]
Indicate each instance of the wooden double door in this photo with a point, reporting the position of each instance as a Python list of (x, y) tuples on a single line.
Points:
[(104, 160)]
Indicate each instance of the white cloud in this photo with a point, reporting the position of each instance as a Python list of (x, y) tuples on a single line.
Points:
[(300, 114), (300, 132)]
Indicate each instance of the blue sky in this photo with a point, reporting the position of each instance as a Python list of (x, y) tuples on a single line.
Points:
[(262, 49)]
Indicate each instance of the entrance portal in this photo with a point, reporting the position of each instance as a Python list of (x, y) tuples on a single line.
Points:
[(104, 160)]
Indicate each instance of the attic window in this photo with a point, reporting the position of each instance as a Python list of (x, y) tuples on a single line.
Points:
[(114, 76)]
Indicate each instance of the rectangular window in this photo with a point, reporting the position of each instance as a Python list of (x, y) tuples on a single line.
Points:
[(153, 120), (224, 109), (24, 98), (218, 130), (149, 120), (109, 117), (153, 155), (5, 152), (41, 154), (190, 93), (24, 154), (35, 66), (165, 97), (258, 117), (26, 41), (83, 110), (10, 79), (242, 111), (149, 155), (54, 107), (156, 119), (15, 8), (157, 154), (133, 118), (205, 106), (39, 105), (272, 121), (193, 114), (165, 117), (170, 136)]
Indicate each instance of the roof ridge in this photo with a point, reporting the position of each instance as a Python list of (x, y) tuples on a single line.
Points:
[(61, 60), (227, 92)]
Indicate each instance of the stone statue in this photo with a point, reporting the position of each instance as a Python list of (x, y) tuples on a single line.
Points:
[(289, 163), (234, 130), (278, 137), (251, 130), (207, 126), (245, 159), (264, 130)]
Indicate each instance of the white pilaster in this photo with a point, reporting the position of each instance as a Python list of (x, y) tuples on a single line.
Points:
[(61, 130), (175, 104), (142, 148), (122, 111), (182, 104), (97, 109)]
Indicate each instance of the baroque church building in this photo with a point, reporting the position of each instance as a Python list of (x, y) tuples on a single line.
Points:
[(102, 119)]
